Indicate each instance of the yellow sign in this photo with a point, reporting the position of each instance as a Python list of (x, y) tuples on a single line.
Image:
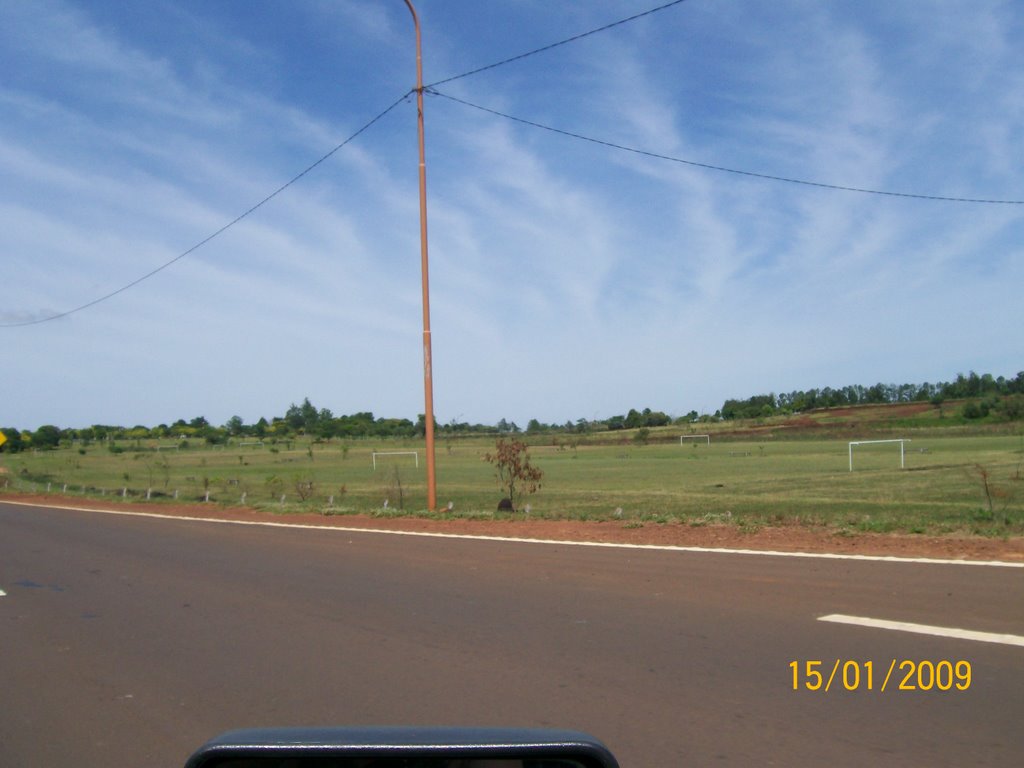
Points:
[(3, 438)]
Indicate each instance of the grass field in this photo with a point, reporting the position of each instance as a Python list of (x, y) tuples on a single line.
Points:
[(963, 484)]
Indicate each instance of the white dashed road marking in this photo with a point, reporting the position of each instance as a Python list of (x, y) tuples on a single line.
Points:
[(925, 629)]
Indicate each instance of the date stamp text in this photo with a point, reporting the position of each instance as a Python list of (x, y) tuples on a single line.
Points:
[(897, 674)]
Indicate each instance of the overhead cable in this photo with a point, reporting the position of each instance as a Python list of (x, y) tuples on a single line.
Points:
[(544, 48), (723, 169), (210, 237), (285, 186)]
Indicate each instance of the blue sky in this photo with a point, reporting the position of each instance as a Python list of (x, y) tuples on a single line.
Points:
[(568, 279)]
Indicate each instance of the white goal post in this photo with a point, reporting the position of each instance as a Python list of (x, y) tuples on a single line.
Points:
[(901, 441), (414, 454), (683, 439)]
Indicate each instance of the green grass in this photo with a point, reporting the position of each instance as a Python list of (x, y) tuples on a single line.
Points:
[(749, 483)]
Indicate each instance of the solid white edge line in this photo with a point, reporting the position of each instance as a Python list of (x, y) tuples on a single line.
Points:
[(520, 540), (925, 629)]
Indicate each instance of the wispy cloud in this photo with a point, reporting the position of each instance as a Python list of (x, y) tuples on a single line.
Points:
[(568, 279)]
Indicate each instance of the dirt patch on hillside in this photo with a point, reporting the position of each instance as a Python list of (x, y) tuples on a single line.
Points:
[(786, 538), (889, 410)]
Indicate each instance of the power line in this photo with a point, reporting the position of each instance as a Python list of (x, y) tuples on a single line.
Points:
[(285, 186), (722, 169), (568, 40), (432, 90), (210, 237)]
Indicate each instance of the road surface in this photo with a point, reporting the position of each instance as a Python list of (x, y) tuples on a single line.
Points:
[(130, 640)]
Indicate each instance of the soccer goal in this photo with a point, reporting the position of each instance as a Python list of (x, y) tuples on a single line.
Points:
[(414, 454), (694, 439), (901, 441)]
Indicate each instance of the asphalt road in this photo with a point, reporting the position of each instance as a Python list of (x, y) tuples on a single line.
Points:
[(129, 641)]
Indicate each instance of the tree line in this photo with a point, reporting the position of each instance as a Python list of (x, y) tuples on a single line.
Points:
[(988, 394), (967, 386)]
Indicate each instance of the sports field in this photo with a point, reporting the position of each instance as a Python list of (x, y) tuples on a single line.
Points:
[(969, 484)]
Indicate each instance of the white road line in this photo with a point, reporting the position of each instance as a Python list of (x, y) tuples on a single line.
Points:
[(925, 629), (512, 539)]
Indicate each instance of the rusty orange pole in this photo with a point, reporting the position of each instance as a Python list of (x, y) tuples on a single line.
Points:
[(428, 375)]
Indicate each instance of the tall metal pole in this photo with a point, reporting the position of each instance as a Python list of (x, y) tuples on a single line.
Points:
[(428, 376)]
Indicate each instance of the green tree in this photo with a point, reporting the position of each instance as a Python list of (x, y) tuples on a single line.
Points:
[(976, 410), (754, 407), (310, 415), (47, 436), (656, 418), (234, 426), (1012, 407), (293, 417), (634, 419)]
